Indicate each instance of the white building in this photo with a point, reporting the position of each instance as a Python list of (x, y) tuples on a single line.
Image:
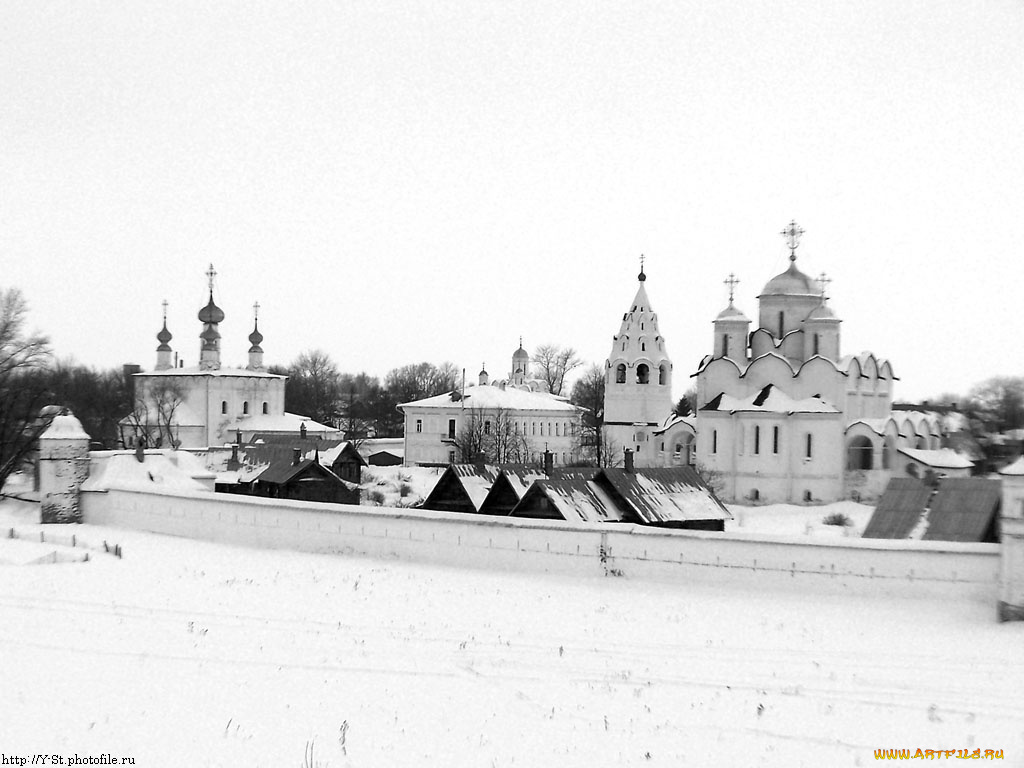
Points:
[(208, 404), (508, 420), (784, 416), (638, 388)]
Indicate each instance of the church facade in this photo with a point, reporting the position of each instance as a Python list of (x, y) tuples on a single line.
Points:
[(781, 414), (210, 404)]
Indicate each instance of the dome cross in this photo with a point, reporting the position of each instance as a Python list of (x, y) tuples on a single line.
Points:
[(732, 281), (210, 274), (823, 281), (792, 234)]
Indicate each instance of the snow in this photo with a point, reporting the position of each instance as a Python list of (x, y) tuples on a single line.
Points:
[(388, 482), (190, 653), (794, 520)]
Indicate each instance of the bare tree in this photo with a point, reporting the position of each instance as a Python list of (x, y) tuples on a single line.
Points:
[(609, 452), (588, 393), (420, 380), (552, 363), (153, 418), (23, 386), (314, 387), (495, 434)]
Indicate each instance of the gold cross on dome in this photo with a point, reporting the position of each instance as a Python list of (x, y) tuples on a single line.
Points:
[(210, 274), (792, 234), (164, 305), (732, 282), (256, 309)]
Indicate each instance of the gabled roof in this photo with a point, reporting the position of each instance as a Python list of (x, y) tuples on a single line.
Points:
[(475, 483), (964, 509), (769, 399), (1015, 469), (489, 397), (576, 499), (673, 420), (656, 495), (941, 458), (282, 422), (216, 372), (281, 472), (899, 510)]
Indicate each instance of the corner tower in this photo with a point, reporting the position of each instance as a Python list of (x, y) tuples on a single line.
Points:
[(638, 380)]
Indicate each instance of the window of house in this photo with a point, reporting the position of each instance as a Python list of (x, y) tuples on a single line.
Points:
[(487, 427), (223, 406), (419, 425), (775, 439), (451, 457), (620, 372), (266, 408), (808, 496), (643, 374), (757, 440), (245, 407), (810, 445), (714, 441), (451, 429)]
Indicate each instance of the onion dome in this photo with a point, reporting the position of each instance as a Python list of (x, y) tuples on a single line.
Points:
[(211, 313), (210, 337), (792, 282), (641, 277), (164, 337), (521, 354), (256, 338)]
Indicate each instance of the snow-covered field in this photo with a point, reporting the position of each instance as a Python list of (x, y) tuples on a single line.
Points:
[(186, 653)]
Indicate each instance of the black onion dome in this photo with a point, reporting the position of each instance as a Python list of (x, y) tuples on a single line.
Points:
[(256, 338), (641, 277), (164, 337), (211, 313)]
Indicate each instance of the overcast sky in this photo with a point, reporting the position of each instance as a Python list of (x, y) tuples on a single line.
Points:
[(397, 181)]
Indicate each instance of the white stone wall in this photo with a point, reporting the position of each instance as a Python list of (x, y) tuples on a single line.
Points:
[(944, 570), (1011, 567)]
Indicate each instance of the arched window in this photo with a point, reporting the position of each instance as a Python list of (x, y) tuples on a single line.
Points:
[(775, 439), (782, 323), (620, 373), (643, 346), (725, 345), (245, 408), (888, 452), (757, 439), (663, 374), (807, 451), (558, 429), (487, 427), (643, 374), (223, 406), (815, 347), (714, 441), (266, 408), (859, 454)]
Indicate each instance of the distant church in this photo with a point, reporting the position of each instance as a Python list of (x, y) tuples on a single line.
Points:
[(208, 404), (781, 414)]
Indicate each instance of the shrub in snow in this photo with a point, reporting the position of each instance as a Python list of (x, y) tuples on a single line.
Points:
[(837, 518), (376, 497), (404, 490)]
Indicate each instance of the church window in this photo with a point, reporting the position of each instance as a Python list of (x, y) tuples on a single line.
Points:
[(643, 374), (859, 454), (266, 408), (534, 427), (223, 406), (419, 425), (643, 346), (755, 494), (620, 372), (558, 429), (808, 496), (662, 446), (815, 343), (245, 408), (663, 374), (809, 447), (451, 429), (775, 439), (757, 440), (641, 326), (725, 346), (782, 324), (487, 427), (714, 441)]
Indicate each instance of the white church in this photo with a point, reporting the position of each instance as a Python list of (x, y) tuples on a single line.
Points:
[(210, 404), (781, 414)]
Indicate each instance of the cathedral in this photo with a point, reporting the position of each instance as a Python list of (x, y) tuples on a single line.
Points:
[(210, 404), (781, 414)]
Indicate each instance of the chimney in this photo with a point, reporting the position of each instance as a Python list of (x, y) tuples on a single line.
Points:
[(233, 462), (549, 462), (628, 460), (296, 456), (479, 461), (302, 430), (238, 437)]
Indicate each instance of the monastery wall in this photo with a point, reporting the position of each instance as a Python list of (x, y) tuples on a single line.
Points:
[(860, 568)]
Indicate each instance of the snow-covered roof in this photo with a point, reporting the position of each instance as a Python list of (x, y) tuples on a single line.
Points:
[(673, 420), (487, 396), (578, 500), (284, 422), (1017, 468), (941, 458), (197, 371), (665, 494), (769, 400), (875, 425), (160, 470)]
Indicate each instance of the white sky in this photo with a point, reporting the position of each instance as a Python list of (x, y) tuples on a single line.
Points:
[(400, 181)]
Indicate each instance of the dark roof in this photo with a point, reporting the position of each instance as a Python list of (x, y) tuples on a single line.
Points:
[(281, 472), (665, 494), (964, 509), (576, 499), (899, 509), (282, 448)]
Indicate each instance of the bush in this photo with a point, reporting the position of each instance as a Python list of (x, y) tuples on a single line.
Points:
[(404, 490), (377, 497), (837, 518)]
